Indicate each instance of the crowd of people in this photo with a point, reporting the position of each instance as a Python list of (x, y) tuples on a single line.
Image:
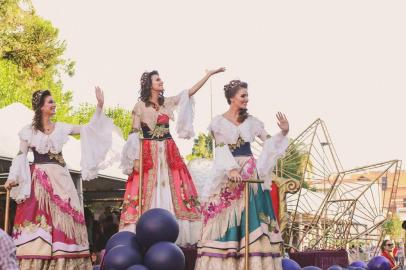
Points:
[(395, 253)]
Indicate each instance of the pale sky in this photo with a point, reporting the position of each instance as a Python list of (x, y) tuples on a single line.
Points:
[(341, 61)]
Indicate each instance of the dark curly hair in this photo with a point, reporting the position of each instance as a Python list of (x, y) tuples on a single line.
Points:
[(38, 100), (145, 92), (230, 90)]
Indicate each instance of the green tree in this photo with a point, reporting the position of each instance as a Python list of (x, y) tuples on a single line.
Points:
[(393, 227), (202, 147), (31, 57), (30, 41), (293, 165)]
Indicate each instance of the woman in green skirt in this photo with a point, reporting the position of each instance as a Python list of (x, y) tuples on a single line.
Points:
[(222, 245)]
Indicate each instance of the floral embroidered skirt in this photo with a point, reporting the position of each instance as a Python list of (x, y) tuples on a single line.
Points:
[(223, 241), (166, 184), (49, 228)]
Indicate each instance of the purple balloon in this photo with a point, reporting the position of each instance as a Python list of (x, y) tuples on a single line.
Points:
[(121, 257), (137, 267), (359, 264), (96, 267), (156, 225), (164, 255), (124, 238), (379, 263), (311, 268), (288, 264), (335, 267)]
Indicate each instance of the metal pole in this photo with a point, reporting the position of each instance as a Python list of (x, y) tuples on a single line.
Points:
[(7, 210), (7, 214), (247, 230), (80, 190), (246, 205), (140, 177)]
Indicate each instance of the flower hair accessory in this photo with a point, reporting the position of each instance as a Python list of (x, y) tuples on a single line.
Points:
[(36, 100), (144, 78), (231, 85)]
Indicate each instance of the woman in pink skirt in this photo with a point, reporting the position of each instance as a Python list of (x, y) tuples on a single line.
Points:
[(49, 229)]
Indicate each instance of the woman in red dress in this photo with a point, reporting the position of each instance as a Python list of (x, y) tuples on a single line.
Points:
[(166, 182)]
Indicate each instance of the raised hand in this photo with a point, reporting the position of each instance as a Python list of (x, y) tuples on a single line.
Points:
[(215, 71), (283, 123), (200, 83), (99, 97)]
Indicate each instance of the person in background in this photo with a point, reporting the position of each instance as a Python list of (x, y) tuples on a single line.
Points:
[(387, 252), (395, 252), (8, 259), (401, 255), (89, 220), (108, 211)]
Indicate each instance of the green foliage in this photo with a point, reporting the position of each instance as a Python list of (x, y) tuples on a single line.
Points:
[(293, 165), (120, 116), (16, 86), (31, 58), (202, 148), (393, 227), (30, 41)]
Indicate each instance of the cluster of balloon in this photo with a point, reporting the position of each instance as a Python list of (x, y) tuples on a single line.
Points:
[(151, 247), (378, 263)]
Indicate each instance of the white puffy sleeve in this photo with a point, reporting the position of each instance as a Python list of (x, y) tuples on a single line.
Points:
[(20, 168), (274, 147), (224, 161), (185, 106), (131, 149), (131, 152), (96, 140), (186, 113)]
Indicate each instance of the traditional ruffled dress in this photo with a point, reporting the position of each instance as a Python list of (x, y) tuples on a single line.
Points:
[(166, 182), (222, 246), (49, 228)]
